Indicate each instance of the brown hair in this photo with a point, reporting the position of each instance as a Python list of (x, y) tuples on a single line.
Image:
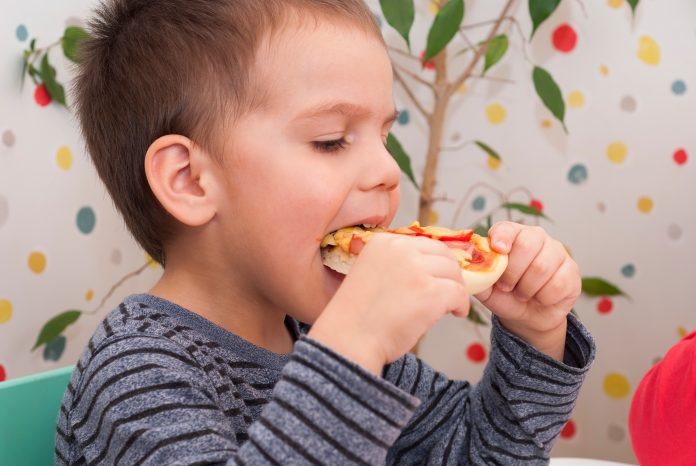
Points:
[(157, 67)]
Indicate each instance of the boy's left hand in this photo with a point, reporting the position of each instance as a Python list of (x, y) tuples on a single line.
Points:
[(537, 290)]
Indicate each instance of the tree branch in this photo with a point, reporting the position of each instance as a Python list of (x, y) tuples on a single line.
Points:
[(411, 95), (413, 75)]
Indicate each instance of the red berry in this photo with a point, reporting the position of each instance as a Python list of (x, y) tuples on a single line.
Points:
[(536, 204), (605, 305), (3, 374), (476, 352), (680, 157), (569, 429), (564, 38), (41, 95), (428, 66)]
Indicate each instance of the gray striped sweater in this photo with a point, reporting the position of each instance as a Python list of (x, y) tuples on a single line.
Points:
[(160, 385)]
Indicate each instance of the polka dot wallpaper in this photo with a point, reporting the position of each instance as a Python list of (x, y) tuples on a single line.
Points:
[(618, 189)]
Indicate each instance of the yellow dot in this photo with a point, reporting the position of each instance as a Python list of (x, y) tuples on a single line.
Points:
[(89, 295), (493, 163), (64, 158), (645, 204), (604, 70), (546, 123), (616, 386), (461, 90), (434, 7), (37, 262), (434, 217), (615, 3), (617, 152), (648, 51), (495, 113), (5, 310), (576, 99), (150, 261), (681, 331)]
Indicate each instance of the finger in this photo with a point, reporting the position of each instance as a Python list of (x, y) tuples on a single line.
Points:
[(541, 270), (527, 245), (502, 235), (565, 284), (441, 267), (456, 299)]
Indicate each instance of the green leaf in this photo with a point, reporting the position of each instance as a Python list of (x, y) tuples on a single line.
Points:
[(32, 44), (401, 157), (525, 209), (486, 148), (539, 11), (549, 93), (475, 317), (48, 76), (72, 37), (444, 28), (54, 327), (634, 4), (495, 51), (399, 14), (595, 286)]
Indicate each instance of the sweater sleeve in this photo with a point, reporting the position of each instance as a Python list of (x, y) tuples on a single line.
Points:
[(512, 416), (663, 409), (143, 400)]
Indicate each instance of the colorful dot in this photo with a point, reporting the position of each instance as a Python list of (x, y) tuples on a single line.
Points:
[(628, 270), (678, 87), (674, 231), (617, 151), (89, 295), (493, 163), (680, 157), (64, 158), (86, 220), (604, 70), (41, 95), (569, 430), (495, 113), (605, 305), (645, 204), (4, 210), (404, 117), (536, 204), (479, 203), (616, 433), (564, 38), (8, 138), (577, 174), (3, 373), (116, 257), (682, 331), (21, 33), (5, 310), (628, 104), (546, 123), (616, 386), (37, 262), (434, 217), (428, 66), (476, 352), (615, 3), (433, 7), (54, 349), (461, 90), (648, 51), (151, 262), (576, 99)]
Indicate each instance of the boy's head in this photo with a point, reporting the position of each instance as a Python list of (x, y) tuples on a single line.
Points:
[(157, 67)]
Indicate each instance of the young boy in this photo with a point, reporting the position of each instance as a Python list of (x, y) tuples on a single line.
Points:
[(232, 136)]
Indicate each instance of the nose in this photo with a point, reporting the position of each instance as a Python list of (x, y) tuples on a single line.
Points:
[(380, 170)]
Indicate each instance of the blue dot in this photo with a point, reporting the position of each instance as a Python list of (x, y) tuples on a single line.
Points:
[(628, 270), (86, 220), (54, 349), (404, 117), (22, 33), (679, 87), (479, 203), (577, 174)]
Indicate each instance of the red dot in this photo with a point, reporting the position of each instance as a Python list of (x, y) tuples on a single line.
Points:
[(3, 374), (680, 157), (476, 352), (428, 66), (604, 306), (536, 204), (564, 38), (569, 429), (41, 95)]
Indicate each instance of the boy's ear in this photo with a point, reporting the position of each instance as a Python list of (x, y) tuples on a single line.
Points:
[(179, 175)]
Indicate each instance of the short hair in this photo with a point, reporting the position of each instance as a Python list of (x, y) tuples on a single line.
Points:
[(157, 67)]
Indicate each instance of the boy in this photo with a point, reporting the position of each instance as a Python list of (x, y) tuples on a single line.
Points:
[(232, 136)]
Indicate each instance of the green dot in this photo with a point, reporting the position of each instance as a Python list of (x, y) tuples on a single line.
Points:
[(86, 220), (479, 203)]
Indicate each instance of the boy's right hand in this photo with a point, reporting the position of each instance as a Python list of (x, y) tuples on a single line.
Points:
[(397, 289)]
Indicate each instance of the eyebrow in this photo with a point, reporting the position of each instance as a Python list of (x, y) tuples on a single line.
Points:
[(344, 109)]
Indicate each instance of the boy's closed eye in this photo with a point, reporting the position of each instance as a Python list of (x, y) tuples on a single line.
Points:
[(334, 145)]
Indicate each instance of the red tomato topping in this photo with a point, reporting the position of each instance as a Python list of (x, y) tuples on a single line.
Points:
[(356, 244)]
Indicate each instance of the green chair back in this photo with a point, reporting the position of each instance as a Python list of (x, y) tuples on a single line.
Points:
[(28, 413)]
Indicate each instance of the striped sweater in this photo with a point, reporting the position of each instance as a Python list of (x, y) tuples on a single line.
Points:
[(158, 384)]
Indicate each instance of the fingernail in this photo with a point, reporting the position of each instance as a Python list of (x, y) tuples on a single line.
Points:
[(500, 245)]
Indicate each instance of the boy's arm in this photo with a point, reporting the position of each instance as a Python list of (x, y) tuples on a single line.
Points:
[(145, 401), (662, 413), (512, 416)]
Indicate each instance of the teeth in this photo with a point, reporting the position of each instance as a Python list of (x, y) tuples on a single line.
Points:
[(369, 225)]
